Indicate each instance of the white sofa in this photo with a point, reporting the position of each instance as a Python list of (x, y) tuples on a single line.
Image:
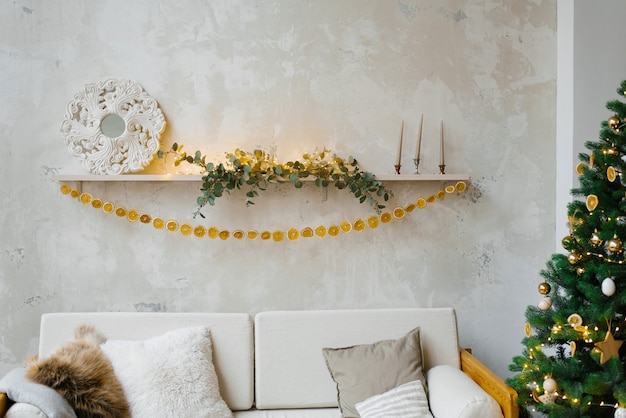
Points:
[(271, 365)]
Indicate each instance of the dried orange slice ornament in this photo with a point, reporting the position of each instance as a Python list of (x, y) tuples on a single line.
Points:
[(293, 234), (199, 231), (74, 193), (320, 231), (186, 229), (213, 232), (592, 202), (450, 189), (265, 235), (359, 225), (460, 186), (224, 234), (252, 234), (158, 223), (410, 207), (306, 232), (580, 168), (121, 211), (421, 203), (65, 189), (145, 218), (132, 215), (108, 207), (171, 225), (96, 203), (333, 230), (85, 198), (386, 217), (372, 222), (399, 213), (528, 330), (346, 226), (610, 174), (441, 194), (238, 234), (278, 235)]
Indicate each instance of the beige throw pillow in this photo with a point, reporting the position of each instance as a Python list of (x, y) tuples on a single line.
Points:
[(362, 371)]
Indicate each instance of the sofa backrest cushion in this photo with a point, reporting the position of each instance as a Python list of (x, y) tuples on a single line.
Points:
[(231, 335), (290, 367)]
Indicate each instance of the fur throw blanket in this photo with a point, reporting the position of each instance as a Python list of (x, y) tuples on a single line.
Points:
[(83, 375)]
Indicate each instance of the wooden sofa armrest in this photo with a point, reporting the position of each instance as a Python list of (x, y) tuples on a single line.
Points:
[(491, 383), (5, 403)]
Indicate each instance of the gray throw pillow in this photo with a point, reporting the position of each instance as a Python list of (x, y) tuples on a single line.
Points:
[(362, 371)]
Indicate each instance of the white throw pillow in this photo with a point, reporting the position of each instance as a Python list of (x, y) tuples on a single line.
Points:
[(171, 375), (405, 401)]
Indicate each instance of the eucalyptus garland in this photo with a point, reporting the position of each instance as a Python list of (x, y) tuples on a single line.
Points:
[(258, 169)]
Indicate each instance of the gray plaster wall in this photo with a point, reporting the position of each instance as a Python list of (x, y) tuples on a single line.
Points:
[(297, 75)]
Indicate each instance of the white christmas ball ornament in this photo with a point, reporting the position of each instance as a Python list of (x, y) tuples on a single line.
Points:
[(608, 286), (549, 385), (545, 304), (620, 412)]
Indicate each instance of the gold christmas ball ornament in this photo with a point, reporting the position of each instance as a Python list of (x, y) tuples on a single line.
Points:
[(574, 257), (615, 245), (568, 242), (595, 239), (544, 288), (612, 151), (614, 122), (580, 271)]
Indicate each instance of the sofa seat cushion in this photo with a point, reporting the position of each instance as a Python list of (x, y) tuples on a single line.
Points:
[(25, 410), (290, 367)]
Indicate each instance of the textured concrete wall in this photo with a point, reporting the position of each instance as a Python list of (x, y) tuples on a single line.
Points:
[(297, 75)]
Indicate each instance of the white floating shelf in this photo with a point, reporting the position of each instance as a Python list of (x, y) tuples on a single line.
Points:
[(185, 177)]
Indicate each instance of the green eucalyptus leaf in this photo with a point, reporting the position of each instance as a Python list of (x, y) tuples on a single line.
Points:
[(160, 153), (293, 177), (174, 147), (298, 184)]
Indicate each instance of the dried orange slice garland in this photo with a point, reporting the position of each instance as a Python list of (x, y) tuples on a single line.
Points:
[(292, 234)]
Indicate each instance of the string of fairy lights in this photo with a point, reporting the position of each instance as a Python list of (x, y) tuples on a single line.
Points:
[(276, 235)]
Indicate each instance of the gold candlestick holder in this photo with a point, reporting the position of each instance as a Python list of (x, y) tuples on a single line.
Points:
[(442, 169), (397, 167)]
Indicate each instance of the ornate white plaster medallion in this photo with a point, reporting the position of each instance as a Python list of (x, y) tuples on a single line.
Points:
[(113, 127)]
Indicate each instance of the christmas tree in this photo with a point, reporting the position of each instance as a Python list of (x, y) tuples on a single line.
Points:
[(573, 363)]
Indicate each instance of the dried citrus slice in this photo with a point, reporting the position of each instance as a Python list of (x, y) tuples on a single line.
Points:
[(186, 229), (359, 225), (574, 320), (199, 231), (450, 189), (158, 223), (591, 160), (372, 222), (96, 203), (610, 174), (252, 234), (306, 232), (132, 215), (238, 234), (399, 213), (592, 202), (145, 218), (108, 207), (265, 235), (460, 186), (213, 232), (121, 211), (431, 199), (224, 234), (386, 217), (278, 236), (293, 234), (85, 198), (410, 207), (528, 329), (171, 225), (74, 193), (333, 230), (320, 231), (421, 203), (580, 167), (345, 226), (441, 194), (65, 189)]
